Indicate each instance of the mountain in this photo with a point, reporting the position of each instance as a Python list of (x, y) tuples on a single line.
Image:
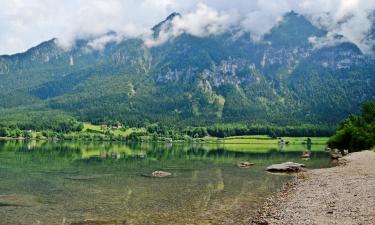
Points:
[(188, 80), (164, 25)]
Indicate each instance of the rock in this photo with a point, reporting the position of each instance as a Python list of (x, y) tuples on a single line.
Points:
[(86, 178), (99, 222), (335, 155), (161, 174), (18, 201), (260, 222), (286, 167), (305, 155), (245, 165)]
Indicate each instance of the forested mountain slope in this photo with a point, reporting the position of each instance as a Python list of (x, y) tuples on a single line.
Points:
[(188, 80)]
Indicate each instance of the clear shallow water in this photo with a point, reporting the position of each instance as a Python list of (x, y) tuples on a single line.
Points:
[(65, 183)]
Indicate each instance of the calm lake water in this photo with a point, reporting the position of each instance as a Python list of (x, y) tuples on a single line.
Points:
[(67, 183)]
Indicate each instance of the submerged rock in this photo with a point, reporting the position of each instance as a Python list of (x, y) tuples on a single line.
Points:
[(100, 222), (18, 201), (161, 174), (305, 155), (87, 178), (245, 165), (286, 167)]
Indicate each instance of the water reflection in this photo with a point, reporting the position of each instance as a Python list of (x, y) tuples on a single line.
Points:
[(67, 182)]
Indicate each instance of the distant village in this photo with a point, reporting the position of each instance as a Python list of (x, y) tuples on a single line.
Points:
[(114, 126)]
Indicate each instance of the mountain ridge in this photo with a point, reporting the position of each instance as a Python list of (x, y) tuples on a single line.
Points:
[(195, 80)]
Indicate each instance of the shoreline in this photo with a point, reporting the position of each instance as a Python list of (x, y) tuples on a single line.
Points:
[(217, 141), (343, 195)]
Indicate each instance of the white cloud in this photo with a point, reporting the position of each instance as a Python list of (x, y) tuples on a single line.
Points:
[(100, 42), (350, 18), (330, 39), (202, 21), (24, 23)]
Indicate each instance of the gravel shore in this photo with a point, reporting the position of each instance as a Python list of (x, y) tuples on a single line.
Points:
[(342, 195)]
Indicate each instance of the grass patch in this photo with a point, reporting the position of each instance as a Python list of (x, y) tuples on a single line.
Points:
[(90, 128), (265, 140)]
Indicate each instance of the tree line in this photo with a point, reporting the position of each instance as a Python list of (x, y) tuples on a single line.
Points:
[(356, 132)]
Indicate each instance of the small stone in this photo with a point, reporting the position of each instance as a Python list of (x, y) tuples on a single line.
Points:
[(161, 174), (245, 165), (99, 222), (305, 155)]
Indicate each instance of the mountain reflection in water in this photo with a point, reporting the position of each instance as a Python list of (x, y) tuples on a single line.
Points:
[(69, 182)]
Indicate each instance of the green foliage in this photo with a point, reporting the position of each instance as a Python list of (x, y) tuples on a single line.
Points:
[(196, 132), (227, 130), (357, 132), (36, 118)]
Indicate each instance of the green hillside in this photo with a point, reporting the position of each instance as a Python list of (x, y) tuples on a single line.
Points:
[(191, 81)]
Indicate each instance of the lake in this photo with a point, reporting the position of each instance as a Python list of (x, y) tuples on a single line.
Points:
[(48, 183)]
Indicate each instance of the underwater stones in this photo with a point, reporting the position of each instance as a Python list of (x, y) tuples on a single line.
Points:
[(100, 222), (87, 178), (17, 200), (245, 165), (286, 167), (161, 174), (305, 155)]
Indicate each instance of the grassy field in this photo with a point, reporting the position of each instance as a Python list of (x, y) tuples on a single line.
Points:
[(87, 127), (238, 143), (263, 139)]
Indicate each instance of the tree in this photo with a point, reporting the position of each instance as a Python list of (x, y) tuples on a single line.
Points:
[(368, 112), (357, 132), (4, 132)]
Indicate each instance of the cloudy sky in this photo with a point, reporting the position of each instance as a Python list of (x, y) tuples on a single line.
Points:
[(25, 23)]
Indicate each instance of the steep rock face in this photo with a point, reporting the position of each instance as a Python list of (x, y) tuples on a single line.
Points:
[(282, 79)]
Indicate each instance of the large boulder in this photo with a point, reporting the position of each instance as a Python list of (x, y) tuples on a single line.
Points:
[(286, 167)]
